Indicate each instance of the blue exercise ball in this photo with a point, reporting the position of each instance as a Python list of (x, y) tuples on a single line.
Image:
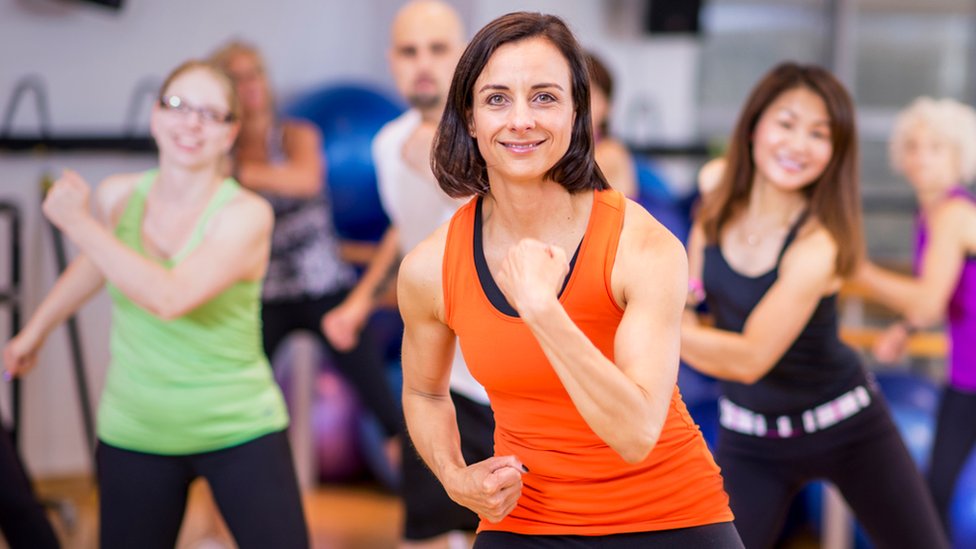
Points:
[(917, 428), (913, 401), (962, 508), (349, 116), (908, 389)]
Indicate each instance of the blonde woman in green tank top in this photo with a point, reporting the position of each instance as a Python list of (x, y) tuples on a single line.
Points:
[(182, 251)]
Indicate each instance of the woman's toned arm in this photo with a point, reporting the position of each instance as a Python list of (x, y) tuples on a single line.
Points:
[(300, 175), (624, 401), (923, 300), (492, 487)]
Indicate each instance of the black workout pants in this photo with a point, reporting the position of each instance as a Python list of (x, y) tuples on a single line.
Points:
[(863, 456), (362, 366), (710, 536), (22, 519), (142, 497)]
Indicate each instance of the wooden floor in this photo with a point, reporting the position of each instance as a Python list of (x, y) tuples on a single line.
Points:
[(339, 517)]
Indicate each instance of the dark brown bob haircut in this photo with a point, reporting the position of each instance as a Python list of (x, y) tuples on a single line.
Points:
[(455, 159), (834, 198)]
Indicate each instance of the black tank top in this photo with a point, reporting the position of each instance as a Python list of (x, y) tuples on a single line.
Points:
[(816, 368)]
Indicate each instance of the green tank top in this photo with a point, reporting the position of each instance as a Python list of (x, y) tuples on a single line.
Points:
[(198, 383)]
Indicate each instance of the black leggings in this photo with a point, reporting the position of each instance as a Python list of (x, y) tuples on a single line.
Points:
[(717, 536), (864, 456), (362, 366), (22, 519), (142, 497), (955, 435)]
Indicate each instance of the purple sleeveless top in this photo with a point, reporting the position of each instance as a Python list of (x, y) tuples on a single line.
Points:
[(961, 319)]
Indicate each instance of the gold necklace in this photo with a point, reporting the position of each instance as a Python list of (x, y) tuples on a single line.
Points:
[(753, 238)]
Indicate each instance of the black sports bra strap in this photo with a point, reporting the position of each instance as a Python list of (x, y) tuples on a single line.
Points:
[(488, 284), (791, 235)]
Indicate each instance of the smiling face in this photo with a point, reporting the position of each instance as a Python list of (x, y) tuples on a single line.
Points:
[(522, 112), (187, 136), (791, 144)]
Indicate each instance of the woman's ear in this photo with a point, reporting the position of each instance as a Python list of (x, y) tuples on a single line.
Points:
[(232, 135), (470, 124)]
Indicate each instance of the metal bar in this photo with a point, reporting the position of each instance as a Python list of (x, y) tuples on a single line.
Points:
[(79, 142), (10, 297)]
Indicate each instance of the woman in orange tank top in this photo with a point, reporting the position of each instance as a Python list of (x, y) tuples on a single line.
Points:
[(593, 445)]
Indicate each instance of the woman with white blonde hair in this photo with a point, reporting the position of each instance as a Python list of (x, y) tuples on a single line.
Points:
[(934, 146)]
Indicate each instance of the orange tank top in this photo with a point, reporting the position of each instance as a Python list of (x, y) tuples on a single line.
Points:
[(576, 484)]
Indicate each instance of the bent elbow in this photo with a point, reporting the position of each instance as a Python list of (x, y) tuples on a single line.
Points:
[(168, 313), (168, 308), (925, 317), (637, 449), (752, 372), (636, 455), (749, 378)]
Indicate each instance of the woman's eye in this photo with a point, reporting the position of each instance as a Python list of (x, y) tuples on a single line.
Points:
[(495, 99), (545, 98)]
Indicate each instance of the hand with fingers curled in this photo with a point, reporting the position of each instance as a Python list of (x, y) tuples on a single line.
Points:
[(66, 203), (20, 354), (532, 275), (891, 345), (342, 325), (491, 488)]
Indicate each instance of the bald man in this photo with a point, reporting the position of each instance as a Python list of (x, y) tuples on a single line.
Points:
[(426, 42)]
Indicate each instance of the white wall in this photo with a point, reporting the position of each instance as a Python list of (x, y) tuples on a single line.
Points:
[(52, 435), (92, 59)]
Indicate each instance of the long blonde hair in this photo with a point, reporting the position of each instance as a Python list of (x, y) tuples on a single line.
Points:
[(223, 56)]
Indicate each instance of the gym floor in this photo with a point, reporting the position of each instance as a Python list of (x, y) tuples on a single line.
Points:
[(340, 517), (355, 516)]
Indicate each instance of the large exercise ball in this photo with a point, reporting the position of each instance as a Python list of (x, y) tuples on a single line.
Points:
[(335, 423), (913, 401), (908, 389), (349, 116), (962, 508)]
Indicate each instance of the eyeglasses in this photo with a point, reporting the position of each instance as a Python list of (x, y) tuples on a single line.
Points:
[(176, 104)]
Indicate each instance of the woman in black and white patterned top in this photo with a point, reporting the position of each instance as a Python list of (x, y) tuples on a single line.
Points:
[(283, 160)]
